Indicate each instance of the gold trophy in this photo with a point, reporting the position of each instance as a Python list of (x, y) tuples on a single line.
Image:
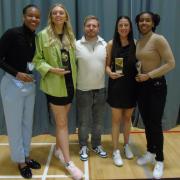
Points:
[(65, 62), (138, 67), (119, 65)]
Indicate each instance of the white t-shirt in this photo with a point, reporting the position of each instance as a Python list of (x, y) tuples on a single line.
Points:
[(91, 57)]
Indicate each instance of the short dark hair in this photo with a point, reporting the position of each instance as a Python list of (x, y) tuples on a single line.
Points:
[(155, 19), (29, 6)]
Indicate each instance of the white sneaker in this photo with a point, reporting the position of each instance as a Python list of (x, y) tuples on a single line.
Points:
[(59, 155), (117, 158), (158, 170), (100, 151), (146, 158), (84, 153), (75, 172), (128, 152)]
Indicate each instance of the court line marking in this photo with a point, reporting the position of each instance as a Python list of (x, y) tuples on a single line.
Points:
[(36, 144), (45, 175), (48, 162), (86, 170), (35, 176)]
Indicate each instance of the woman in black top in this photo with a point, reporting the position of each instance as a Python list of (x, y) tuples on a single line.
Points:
[(17, 47), (122, 86)]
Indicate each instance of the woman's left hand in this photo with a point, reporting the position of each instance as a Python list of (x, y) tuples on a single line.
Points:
[(142, 77), (59, 71)]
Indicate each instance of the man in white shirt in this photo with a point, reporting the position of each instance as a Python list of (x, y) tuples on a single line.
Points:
[(91, 92)]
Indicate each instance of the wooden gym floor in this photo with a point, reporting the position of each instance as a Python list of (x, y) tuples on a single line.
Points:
[(95, 168)]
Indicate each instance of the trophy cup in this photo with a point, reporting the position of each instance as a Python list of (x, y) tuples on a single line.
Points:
[(30, 67), (138, 67), (119, 65), (65, 62)]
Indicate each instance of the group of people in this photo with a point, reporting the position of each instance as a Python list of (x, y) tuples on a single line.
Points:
[(69, 68)]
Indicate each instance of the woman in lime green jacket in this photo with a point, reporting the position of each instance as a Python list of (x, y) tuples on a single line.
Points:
[(55, 60)]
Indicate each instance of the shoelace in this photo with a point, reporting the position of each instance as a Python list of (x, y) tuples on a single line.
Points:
[(158, 167), (116, 155), (84, 150), (99, 149), (146, 156)]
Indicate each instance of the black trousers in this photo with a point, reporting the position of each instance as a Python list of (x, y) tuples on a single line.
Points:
[(151, 103)]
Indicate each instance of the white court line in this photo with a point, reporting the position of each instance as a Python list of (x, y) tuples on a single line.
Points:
[(18, 177), (48, 162), (35, 176), (36, 144), (86, 170), (45, 176)]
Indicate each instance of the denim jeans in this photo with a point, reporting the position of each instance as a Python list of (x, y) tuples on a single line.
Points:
[(18, 104), (90, 115)]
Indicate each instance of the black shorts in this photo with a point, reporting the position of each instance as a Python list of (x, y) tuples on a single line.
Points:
[(61, 100)]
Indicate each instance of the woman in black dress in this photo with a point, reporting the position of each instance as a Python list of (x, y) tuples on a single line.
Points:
[(122, 86)]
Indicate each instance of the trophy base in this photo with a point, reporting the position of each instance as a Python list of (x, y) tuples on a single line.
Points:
[(65, 68), (119, 71)]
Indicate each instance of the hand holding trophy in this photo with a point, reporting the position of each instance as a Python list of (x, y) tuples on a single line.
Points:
[(30, 67), (119, 65)]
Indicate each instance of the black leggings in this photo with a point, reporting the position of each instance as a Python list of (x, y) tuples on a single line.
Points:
[(151, 103)]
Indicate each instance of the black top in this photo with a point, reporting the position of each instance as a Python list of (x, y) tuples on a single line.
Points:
[(129, 61), (17, 47), (122, 91)]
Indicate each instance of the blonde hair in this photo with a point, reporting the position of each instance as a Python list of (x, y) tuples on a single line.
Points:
[(68, 39)]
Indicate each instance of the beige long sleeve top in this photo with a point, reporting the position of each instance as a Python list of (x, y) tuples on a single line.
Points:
[(155, 55)]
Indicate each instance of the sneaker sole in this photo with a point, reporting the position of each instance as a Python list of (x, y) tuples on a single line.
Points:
[(118, 165), (83, 159), (129, 158), (145, 163)]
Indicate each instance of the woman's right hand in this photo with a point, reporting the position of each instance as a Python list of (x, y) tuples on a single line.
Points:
[(24, 77), (59, 71), (114, 75)]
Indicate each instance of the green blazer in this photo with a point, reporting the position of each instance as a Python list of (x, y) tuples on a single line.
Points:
[(47, 56)]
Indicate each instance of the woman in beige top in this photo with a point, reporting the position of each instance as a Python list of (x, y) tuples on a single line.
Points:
[(155, 59)]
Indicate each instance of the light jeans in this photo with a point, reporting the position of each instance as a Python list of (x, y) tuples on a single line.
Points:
[(18, 105)]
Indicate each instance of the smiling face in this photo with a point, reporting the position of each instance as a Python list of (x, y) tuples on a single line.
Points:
[(31, 18), (123, 27), (58, 16), (91, 29), (145, 23)]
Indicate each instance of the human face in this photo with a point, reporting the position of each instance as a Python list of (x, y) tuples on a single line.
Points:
[(32, 18), (145, 23), (124, 27), (58, 16), (91, 29)]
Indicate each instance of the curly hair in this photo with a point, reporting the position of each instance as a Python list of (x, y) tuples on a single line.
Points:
[(155, 18)]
